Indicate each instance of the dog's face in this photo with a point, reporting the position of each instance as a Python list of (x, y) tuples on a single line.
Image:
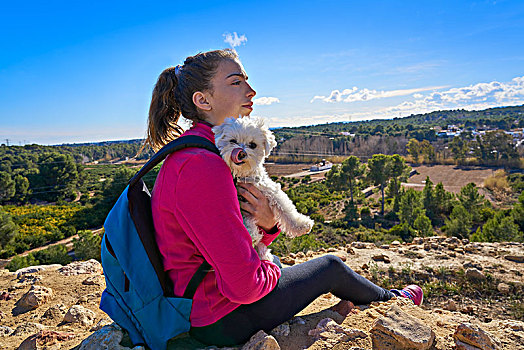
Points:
[(244, 143)]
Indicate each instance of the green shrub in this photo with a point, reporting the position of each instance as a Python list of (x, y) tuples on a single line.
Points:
[(87, 246), (53, 255), (19, 262)]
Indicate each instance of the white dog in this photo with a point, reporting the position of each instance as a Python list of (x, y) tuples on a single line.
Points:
[(244, 143)]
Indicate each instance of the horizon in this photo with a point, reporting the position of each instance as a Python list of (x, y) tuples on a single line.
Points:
[(84, 74)]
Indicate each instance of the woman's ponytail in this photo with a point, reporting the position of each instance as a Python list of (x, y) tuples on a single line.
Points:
[(173, 95), (164, 112)]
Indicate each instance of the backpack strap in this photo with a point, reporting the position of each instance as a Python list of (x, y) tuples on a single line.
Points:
[(140, 210), (197, 279), (175, 145)]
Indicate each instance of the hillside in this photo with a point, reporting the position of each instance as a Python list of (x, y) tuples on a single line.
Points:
[(471, 283)]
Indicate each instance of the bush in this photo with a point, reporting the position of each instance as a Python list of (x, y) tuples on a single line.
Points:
[(19, 262), (497, 182), (87, 246), (53, 255)]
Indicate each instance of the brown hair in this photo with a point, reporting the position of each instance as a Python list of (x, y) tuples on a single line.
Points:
[(173, 95)]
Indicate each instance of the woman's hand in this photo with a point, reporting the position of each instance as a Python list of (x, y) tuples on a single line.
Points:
[(257, 205)]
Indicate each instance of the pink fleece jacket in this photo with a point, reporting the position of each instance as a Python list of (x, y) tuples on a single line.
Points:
[(196, 214)]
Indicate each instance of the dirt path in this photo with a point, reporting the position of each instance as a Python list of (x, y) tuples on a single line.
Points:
[(65, 241)]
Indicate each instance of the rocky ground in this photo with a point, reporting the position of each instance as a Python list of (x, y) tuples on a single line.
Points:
[(473, 301)]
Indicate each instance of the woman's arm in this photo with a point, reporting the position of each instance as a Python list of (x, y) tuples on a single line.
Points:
[(208, 211)]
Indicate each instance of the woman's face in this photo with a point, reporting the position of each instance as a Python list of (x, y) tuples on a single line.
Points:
[(231, 95)]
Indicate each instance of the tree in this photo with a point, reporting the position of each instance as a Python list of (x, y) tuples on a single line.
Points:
[(428, 199), (423, 226), (57, 177), (413, 148), (378, 173), (7, 186), (442, 200), (518, 212), (459, 148), (8, 229), (471, 200), (410, 207), (352, 169), (459, 223), (497, 229)]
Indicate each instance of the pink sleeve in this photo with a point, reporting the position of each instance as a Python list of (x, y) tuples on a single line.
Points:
[(208, 211), (269, 236)]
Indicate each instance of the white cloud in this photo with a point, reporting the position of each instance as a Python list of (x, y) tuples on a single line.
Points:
[(354, 94), (473, 97), (265, 101), (234, 40)]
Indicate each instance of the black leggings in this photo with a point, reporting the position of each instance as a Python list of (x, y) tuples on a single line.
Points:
[(297, 287)]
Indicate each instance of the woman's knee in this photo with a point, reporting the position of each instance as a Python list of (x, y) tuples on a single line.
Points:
[(334, 262)]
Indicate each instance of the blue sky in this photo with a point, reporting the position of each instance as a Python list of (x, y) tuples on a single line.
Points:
[(77, 71)]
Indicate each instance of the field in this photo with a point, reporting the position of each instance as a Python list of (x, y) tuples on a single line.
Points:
[(452, 177)]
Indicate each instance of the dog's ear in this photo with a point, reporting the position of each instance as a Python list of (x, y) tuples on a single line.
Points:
[(269, 141)]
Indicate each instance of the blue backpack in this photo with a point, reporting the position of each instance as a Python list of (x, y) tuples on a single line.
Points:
[(139, 294)]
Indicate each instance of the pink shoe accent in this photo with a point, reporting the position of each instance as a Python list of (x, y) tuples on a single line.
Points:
[(412, 292)]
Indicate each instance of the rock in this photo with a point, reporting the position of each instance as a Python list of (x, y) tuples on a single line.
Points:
[(45, 340), (5, 296), (81, 267), (418, 240), (297, 320), (79, 314), (515, 258), (331, 250), (381, 257), (327, 328), (517, 326), (55, 312), (33, 269), (92, 281), (281, 330), (364, 266), (300, 255), (435, 246), (28, 328), (474, 274), (384, 246), (450, 305), (470, 248), (106, 338), (475, 336), (427, 246), (260, 341), (475, 265), (399, 330), (504, 288), (5, 331), (468, 309), (358, 245), (100, 324), (395, 243), (287, 260), (350, 250), (29, 279), (35, 297)]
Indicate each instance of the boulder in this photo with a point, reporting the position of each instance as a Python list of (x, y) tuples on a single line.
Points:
[(399, 330), (55, 312), (287, 260), (106, 338), (504, 288), (473, 335), (5, 331), (45, 340), (450, 305), (281, 330), (36, 296), (474, 274), (79, 314), (381, 257), (81, 267), (260, 341), (327, 328), (33, 269), (28, 328), (515, 258)]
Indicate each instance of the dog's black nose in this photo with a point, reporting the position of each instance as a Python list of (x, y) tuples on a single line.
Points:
[(242, 155)]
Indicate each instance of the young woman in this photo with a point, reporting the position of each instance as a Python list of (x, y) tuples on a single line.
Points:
[(197, 215)]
